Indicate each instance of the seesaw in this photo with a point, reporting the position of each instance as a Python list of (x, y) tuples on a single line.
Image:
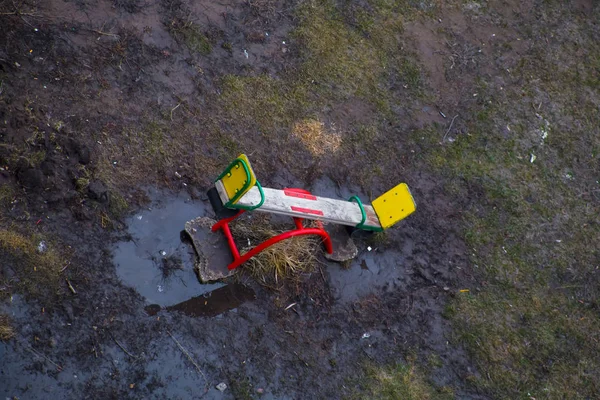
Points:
[(237, 191)]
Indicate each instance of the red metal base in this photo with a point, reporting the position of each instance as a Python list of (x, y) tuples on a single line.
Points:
[(300, 230)]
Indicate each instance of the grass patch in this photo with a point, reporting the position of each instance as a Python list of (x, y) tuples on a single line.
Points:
[(6, 330), (278, 265), (192, 35), (403, 381), (35, 262), (7, 194), (316, 138), (265, 102), (531, 228), (336, 63)]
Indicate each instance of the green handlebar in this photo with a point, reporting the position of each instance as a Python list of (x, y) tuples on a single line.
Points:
[(361, 224), (250, 208)]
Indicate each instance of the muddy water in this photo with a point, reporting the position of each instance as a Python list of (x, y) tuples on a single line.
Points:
[(369, 271), (156, 262)]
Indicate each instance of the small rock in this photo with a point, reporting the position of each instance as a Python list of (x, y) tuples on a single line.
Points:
[(31, 178), (446, 288), (84, 155), (222, 386), (98, 191)]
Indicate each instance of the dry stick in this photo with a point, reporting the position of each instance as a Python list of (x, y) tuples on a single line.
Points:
[(58, 367), (19, 13), (173, 109), (184, 351), (121, 346), (71, 286), (104, 33), (449, 128)]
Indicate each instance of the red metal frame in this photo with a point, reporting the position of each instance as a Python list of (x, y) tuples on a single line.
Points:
[(300, 230)]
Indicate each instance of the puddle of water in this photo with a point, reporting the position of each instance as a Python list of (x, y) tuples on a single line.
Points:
[(156, 262), (368, 271), (210, 304)]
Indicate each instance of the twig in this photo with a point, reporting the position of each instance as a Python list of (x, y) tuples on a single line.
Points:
[(121, 346), (66, 266), (184, 351), (301, 360), (449, 128), (19, 13), (71, 286), (105, 33), (173, 109), (58, 367)]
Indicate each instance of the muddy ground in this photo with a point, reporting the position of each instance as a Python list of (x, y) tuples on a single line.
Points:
[(116, 115)]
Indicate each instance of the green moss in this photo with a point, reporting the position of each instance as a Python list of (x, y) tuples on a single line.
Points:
[(81, 184), (117, 204), (192, 35), (7, 194)]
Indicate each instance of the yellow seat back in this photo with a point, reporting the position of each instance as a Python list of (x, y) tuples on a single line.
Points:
[(394, 205), (238, 178)]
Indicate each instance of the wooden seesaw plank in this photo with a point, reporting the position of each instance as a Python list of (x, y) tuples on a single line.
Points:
[(294, 204)]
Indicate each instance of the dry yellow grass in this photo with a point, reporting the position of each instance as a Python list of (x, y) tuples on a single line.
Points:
[(36, 271), (6, 331), (284, 261), (316, 138)]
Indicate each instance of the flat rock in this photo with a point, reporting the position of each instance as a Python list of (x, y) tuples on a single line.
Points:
[(212, 251), (344, 248)]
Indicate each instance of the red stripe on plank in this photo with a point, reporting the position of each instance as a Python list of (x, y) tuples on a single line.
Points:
[(307, 210), (293, 193)]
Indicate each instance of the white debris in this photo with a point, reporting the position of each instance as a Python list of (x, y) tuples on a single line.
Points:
[(139, 217), (177, 174), (246, 53), (532, 159), (163, 253), (366, 335), (42, 247), (221, 386), (160, 289), (369, 248)]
